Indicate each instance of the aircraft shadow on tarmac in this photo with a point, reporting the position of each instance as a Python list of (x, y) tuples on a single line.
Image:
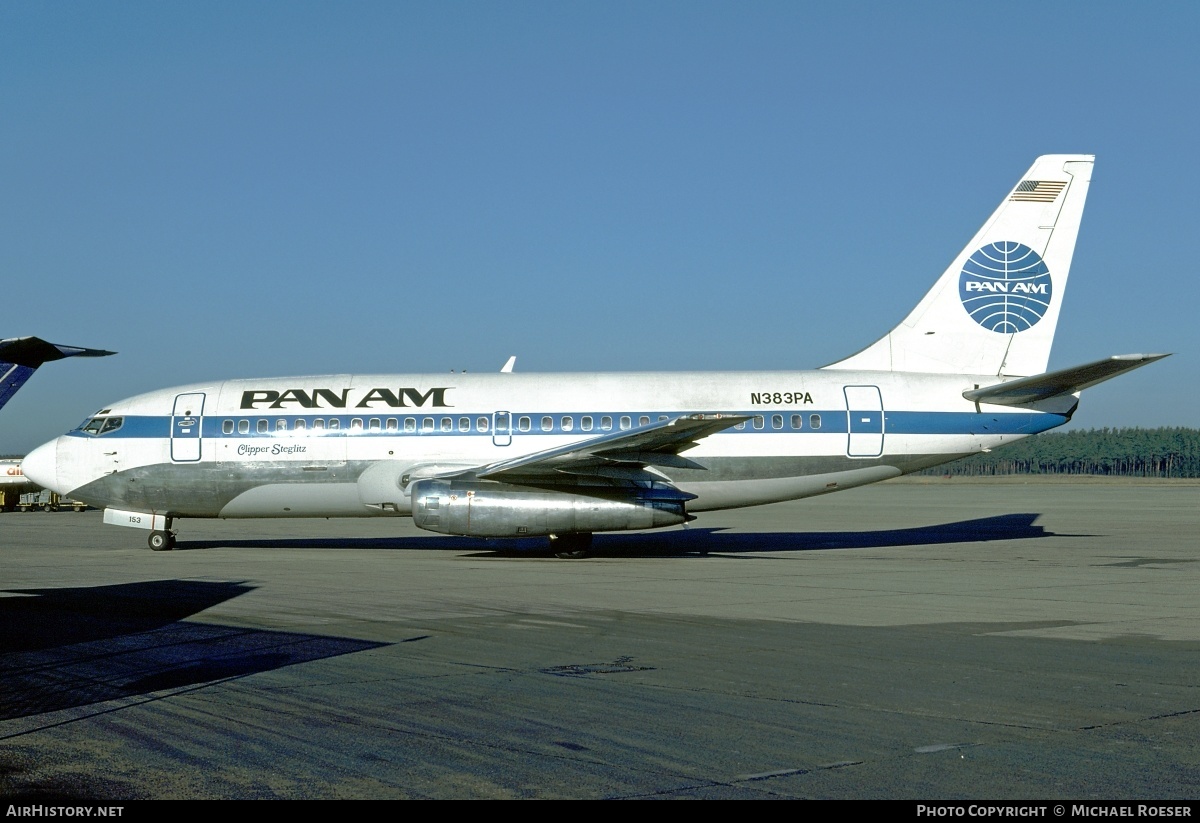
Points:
[(683, 543), (64, 648), (705, 541)]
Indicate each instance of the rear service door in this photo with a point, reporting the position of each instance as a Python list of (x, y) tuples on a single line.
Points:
[(864, 421)]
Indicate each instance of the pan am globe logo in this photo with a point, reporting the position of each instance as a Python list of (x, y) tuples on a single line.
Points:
[(1005, 287)]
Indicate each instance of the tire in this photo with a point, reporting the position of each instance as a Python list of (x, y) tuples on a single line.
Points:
[(161, 541), (575, 546)]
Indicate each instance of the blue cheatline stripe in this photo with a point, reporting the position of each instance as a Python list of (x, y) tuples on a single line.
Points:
[(832, 422), (970, 422)]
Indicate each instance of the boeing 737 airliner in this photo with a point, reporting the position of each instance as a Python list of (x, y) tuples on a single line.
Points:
[(565, 455)]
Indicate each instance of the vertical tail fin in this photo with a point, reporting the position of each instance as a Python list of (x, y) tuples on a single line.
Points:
[(12, 378), (994, 310), (20, 357)]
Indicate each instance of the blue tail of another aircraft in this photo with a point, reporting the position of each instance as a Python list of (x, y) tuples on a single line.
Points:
[(21, 356)]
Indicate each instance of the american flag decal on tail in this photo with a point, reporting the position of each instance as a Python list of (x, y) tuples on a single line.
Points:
[(1037, 191)]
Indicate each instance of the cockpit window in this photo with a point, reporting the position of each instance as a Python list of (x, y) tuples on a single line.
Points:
[(102, 425)]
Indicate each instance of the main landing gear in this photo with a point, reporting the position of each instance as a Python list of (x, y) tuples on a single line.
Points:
[(162, 541), (574, 546)]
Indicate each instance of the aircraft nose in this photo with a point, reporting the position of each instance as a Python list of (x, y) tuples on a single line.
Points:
[(41, 466)]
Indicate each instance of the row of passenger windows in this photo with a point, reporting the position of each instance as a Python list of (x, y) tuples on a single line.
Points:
[(483, 425)]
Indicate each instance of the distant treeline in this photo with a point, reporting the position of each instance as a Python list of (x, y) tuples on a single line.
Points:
[(1134, 452)]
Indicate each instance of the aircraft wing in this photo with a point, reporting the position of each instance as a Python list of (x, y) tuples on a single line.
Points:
[(619, 455), (1025, 390)]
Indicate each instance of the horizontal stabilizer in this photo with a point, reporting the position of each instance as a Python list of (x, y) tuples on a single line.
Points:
[(20, 357), (1025, 390), (34, 351)]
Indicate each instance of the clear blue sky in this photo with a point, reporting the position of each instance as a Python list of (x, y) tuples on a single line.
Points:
[(227, 189)]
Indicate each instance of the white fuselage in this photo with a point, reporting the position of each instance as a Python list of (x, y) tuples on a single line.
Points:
[(350, 445)]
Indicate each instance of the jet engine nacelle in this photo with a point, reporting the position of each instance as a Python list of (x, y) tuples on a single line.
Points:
[(482, 509)]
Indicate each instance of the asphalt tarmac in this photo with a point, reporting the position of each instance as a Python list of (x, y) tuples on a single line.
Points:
[(909, 640)]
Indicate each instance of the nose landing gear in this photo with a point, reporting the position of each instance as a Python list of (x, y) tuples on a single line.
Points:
[(162, 541)]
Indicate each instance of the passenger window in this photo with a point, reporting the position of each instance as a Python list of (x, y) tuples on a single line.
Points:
[(740, 426), (318, 423), (814, 420), (391, 424), (481, 423), (300, 424), (373, 424), (243, 427), (797, 421), (626, 422), (759, 422), (606, 423), (426, 424), (661, 418), (643, 420), (262, 426), (568, 423), (547, 423), (355, 424), (410, 424), (777, 421), (464, 424), (524, 424), (335, 423), (226, 427), (281, 425), (585, 423)]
